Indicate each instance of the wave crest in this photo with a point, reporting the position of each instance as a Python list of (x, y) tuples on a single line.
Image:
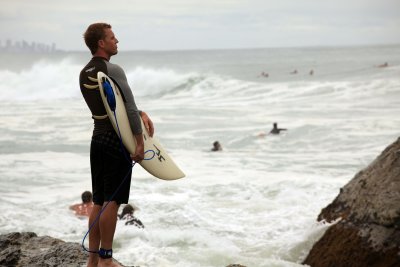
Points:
[(47, 80)]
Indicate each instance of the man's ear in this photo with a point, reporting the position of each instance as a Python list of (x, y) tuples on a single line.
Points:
[(100, 43)]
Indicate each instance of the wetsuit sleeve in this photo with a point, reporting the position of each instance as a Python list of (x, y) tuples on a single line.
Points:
[(117, 73)]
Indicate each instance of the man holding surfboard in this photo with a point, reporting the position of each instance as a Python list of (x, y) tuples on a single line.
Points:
[(109, 166)]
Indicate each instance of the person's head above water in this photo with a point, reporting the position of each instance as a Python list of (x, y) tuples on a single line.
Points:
[(128, 209), (87, 197), (216, 146)]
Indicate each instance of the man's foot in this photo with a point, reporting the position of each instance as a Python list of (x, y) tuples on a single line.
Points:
[(108, 263), (93, 261)]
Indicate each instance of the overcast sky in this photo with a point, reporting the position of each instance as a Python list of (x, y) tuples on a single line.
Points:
[(204, 24)]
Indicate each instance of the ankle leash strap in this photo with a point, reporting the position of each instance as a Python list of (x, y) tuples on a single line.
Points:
[(105, 253)]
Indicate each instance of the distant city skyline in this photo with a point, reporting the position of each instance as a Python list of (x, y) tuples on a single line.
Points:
[(9, 45)]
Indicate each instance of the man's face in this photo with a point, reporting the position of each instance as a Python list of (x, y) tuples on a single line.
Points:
[(109, 44)]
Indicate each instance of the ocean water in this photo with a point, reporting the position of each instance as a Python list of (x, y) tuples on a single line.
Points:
[(254, 203)]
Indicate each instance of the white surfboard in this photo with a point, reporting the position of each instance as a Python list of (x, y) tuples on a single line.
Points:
[(161, 165)]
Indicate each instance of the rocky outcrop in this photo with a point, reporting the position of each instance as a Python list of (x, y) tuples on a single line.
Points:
[(368, 233), (28, 249)]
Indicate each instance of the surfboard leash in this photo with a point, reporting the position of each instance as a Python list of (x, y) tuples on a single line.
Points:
[(102, 210), (112, 104), (116, 191)]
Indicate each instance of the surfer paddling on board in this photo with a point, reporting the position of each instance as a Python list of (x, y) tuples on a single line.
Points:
[(111, 171), (384, 65)]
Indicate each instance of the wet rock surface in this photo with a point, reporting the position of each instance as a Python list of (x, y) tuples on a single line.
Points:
[(368, 233), (28, 249)]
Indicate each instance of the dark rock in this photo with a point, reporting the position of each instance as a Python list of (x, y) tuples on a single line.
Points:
[(368, 207), (27, 249), (10, 256)]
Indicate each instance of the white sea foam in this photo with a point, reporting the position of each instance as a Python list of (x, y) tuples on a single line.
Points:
[(253, 203)]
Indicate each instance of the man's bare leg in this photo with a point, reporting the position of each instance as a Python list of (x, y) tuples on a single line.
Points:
[(94, 237), (108, 222)]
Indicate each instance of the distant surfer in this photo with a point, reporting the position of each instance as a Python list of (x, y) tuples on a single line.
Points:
[(109, 166), (84, 208), (294, 72), (127, 215), (216, 146), (276, 130), (384, 65)]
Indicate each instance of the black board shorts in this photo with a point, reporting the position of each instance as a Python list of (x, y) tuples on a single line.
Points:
[(109, 167)]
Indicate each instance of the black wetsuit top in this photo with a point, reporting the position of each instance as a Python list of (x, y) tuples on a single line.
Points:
[(91, 94)]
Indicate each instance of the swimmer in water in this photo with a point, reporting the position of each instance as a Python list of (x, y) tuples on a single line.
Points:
[(216, 146), (84, 208), (276, 130)]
